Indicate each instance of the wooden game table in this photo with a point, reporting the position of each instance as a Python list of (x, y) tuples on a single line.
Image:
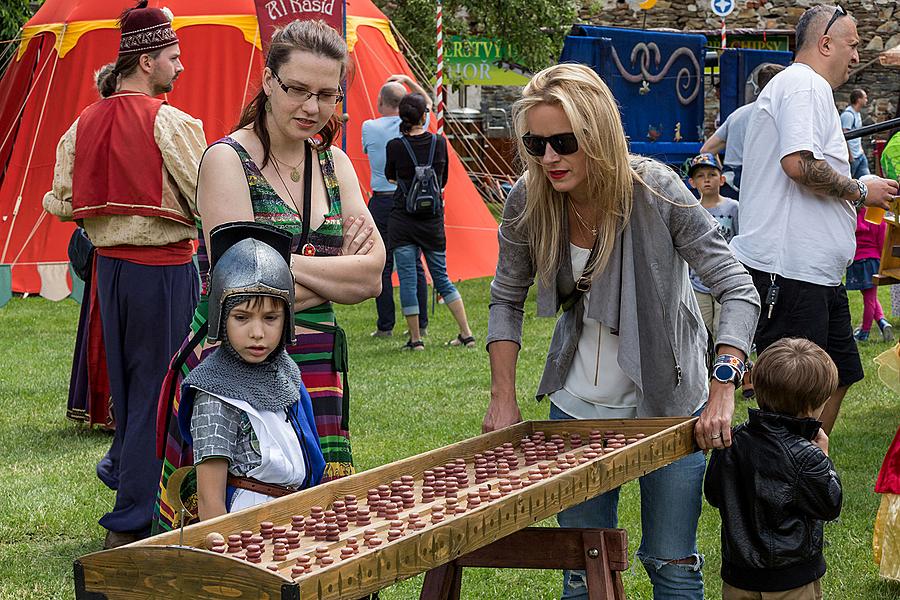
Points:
[(436, 511)]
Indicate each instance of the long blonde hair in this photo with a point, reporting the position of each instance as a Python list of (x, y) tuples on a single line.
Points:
[(594, 115)]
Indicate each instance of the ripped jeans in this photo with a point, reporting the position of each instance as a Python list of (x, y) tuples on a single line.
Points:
[(671, 499)]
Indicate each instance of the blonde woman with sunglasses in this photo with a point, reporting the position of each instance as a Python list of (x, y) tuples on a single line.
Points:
[(609, 238)]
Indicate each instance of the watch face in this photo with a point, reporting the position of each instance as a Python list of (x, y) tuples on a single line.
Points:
[(724, 373)]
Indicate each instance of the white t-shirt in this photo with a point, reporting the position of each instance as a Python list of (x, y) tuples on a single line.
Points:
[(786, 228), (732, 132), (595, 387)]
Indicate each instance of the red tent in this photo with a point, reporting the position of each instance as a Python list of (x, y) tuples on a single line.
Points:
[(50, 80)]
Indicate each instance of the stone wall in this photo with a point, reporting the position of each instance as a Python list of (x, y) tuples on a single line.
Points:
[(877, 23)]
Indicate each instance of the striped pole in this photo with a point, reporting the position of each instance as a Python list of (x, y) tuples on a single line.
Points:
[(724, 41), (439, 84)]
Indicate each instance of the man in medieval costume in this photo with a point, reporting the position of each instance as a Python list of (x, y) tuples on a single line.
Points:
[(126, 170)]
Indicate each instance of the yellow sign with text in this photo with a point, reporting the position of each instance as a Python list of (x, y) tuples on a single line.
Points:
[(481, 61)]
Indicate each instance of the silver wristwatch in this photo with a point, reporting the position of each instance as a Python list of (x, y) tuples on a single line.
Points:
[(863, 193)]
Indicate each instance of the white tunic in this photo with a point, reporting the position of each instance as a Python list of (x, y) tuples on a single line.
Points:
[(282, 457)]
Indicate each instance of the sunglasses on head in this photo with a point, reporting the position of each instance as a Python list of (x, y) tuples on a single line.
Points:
[(838, 13), (562, 143)]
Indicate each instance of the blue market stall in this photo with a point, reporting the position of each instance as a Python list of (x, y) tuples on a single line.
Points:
[(735, 69), (657, 78)]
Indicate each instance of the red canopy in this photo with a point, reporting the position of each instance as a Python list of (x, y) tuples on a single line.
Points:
[(50, 81)]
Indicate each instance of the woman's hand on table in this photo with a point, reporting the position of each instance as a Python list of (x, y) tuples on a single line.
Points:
[(500, 414), (358, 236)]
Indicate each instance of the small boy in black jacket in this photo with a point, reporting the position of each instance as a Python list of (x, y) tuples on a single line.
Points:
[(775, 485)]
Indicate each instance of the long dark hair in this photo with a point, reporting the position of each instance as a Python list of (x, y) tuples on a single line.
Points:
[(307, 36), (412, 108)]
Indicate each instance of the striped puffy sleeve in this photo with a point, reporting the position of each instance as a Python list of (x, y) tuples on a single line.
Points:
[(182, 142), (58, 201)]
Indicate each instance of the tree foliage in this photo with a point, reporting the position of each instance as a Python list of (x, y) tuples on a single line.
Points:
[(534, 28), (13, 14)]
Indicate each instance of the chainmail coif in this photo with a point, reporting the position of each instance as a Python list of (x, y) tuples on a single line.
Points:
[(273, 384)]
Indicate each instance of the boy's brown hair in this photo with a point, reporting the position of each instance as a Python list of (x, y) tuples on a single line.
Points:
[(794, 376)]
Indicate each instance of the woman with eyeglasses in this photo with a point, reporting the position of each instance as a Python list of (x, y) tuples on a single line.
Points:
[(609, 237), (412, 229), (279, 167)]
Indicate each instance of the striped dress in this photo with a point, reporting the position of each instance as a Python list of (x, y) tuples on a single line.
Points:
[(320, 349)]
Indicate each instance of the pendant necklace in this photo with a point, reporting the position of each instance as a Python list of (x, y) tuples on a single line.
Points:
[(286, 188), (295, 171), (584, 224)]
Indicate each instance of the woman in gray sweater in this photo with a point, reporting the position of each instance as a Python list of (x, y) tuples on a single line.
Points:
[(609, 238)]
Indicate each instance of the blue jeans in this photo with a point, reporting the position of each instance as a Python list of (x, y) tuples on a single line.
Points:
[(405, 258), (380, 205), (671, 499), (859, 166)]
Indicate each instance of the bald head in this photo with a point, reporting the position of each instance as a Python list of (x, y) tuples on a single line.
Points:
[(390, 96), (828, 42), (813, 22)]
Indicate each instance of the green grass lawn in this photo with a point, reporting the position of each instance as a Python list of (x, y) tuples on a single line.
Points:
[(403, 404)]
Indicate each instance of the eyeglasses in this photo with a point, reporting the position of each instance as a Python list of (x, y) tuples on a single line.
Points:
[(838, 13), (562, 143), (301, 95)]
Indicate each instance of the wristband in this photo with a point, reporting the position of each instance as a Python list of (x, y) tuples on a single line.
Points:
[(863, 193), (729, 359)]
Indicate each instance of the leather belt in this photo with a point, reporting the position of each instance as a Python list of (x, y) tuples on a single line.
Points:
[(254, 485)]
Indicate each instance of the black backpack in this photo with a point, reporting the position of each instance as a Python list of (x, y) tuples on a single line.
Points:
[(423, 191)]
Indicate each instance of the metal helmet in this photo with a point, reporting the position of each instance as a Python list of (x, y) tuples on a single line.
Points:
[(249, 267)]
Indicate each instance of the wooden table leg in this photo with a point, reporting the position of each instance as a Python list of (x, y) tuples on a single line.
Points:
[(596, 566), (442, 583), (601, 553)]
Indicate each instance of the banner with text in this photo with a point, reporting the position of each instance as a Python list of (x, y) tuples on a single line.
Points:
[(275, 13), (481, 61), (751, 41)]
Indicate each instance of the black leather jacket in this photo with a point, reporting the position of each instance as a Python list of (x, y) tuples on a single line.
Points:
[(773, 488)]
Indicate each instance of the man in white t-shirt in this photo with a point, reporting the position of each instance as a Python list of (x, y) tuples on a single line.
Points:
[(851, 119), (797, 200)]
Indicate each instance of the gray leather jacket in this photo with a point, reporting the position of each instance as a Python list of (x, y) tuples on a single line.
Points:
[(643, 294)]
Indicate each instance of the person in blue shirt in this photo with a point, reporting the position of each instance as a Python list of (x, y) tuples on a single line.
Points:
[(376, 133), (851, 119)]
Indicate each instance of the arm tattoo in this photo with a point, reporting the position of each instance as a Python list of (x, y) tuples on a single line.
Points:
[(818, 176)]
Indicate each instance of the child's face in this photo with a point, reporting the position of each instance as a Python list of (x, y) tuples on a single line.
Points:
[(255, 328), (707, 180)]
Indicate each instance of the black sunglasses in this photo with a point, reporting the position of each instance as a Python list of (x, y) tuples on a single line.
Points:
[(562, 143), (838, 13)]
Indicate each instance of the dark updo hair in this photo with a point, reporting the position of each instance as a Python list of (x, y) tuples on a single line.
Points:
[(315, 37), (412, 109)]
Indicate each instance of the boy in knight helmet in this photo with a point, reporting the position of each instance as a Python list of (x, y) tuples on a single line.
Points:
[(244, 408)]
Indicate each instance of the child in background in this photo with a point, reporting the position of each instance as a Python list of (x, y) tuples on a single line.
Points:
[(244, 408), (705, 175), (869, 241), (775, 485)]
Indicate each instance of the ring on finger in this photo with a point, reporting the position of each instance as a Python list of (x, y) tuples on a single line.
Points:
[(715, 436)]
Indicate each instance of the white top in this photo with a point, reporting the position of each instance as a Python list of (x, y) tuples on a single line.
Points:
[(786, 228), (282, 457), (732, 132), (595, 387)]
